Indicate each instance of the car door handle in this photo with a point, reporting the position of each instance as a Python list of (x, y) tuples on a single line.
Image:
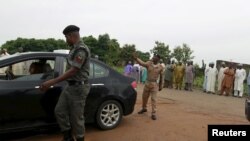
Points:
[(100, 84), (37, 87)]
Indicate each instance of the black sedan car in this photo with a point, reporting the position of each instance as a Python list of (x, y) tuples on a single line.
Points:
[(23, 106)]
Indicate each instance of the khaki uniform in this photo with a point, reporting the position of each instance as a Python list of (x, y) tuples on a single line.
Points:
[(69, 110), (151, 86)]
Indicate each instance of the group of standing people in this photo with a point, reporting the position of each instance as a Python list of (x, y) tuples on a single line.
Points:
[(176, 73), (228, 78), (136, 71)]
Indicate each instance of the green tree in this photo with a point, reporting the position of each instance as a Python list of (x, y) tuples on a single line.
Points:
[(112, 55), (143, 56), (92, 43), (182, 54), (187, 53), (126, 52), (108, 50), (102, 48), (177, 53), (34, 44), (162, 50)]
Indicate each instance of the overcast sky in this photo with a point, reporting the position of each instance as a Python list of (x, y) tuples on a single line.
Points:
[(214, 29)]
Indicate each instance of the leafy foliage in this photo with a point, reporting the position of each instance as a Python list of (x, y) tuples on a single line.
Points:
[(182, 54), (107, 49), (177, 53), (143, 56), (34, 45), (162, 50), (126, 52)]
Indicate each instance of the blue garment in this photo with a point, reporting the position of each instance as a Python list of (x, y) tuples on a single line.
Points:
[(128, 70), (144, 75)]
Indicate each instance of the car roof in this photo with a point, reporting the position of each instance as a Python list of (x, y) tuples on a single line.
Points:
[(66, 51), (32, 54), (17, 56)]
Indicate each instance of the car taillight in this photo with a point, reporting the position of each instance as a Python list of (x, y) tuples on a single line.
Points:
[(134, 84)]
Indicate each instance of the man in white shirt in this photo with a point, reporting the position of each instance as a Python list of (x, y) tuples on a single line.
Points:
[(211, 78), (240, 76)]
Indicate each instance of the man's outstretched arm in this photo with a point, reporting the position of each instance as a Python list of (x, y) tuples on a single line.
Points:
[(139, 61)]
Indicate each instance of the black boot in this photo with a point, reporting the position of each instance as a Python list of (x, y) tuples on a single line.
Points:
[(80, 139), (142, 111), (67, 136), (153, 117)]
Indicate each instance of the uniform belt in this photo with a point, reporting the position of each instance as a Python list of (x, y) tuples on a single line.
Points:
[(77, 82)]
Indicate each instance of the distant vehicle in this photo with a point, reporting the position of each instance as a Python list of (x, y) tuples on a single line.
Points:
[(23, 106)]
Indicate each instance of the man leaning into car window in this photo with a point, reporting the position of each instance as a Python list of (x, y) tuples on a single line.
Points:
[(69, 110)]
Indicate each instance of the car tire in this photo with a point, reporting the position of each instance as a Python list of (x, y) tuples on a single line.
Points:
[(109, 115)]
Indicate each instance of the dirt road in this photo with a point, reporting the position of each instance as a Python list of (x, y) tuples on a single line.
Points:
[(182, 116)]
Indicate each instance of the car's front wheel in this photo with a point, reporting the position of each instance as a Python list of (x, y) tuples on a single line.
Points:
[(109, 115)]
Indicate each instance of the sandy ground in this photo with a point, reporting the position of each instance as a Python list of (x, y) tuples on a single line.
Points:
[(182, 116)]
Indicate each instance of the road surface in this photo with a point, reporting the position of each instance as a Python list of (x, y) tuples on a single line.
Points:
[(182, 116)]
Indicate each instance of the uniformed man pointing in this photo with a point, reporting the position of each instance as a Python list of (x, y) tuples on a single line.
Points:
[(69, 110), (151, 87)]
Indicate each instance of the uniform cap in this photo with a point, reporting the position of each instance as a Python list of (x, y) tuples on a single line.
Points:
[(70, 28)]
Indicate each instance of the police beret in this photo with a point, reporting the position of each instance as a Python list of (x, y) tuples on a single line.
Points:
[(70, 28)]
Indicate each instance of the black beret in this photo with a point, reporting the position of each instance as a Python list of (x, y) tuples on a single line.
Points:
[(70, 28)]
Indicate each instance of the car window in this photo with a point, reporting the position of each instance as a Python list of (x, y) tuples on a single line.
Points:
[(91, 67), (35, 69), (99, 71), (95, 70)]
